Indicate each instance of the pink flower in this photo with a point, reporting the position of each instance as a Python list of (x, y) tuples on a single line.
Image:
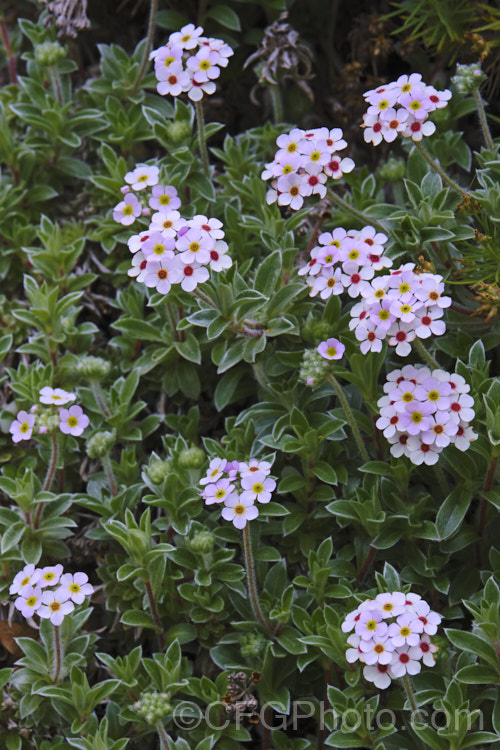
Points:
[(164, 198), (331, 349), (215, 471), (403, 663), (50, 575), (76, 587), (22, 427), (378, 674), (73, 420), (55, 396), (30, 601), (239, 510), (257, 487), (55, 606), (219, 492), (142, 176), (25, 579), (128, 210)]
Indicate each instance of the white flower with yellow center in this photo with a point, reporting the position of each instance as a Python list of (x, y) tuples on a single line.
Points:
[(239, 510)]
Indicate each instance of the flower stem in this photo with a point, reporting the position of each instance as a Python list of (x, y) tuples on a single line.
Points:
[(252, 579), (478, 101), (53, 463), (451, 183), (99, 397), (203, 296), (354, 211), (149, 42), (155, 615), (58, 655), (276, 102), (200, 121), (163, 736), (410, 694), (350, 417), (11, 58), (425, 354), (49, 476), (110, 476)]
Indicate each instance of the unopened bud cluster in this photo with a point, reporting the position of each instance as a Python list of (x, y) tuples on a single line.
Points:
[(203, 542), (153, 706), (468, 77), (100, 444), (93, 368), (48, 53), (314, 368), (159, 470)]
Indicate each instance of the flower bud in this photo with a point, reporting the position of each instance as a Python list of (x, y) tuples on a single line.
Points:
[(159, 470), (468, 77), (178, 131), (49, 53), (153, 706), (251, 644), (100, 444), (393, 170), (202, 541), (314, 368), (191, 458), (93, 368)]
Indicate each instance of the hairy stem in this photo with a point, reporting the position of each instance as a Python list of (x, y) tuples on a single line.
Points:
[(204, 298), (350, 417), (276, 102), (110, 476), (155, 615), (367, 563), (252, 579), (149, 43), (410, 695), (11, 58), (451, 183), (354, 211), (200, 121), (99, 397), (49, 476), (58, 655), (478, 101), (425, 354), (163, 736)]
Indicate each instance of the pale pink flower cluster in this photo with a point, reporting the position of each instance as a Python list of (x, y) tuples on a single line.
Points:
[(423, 412), (189, 63), (302, 164), (402, 106), (178, 251), (391, 636), (37, 595), (137, 203), (345, 260), (237, 485), (72, 421), (399, 306)]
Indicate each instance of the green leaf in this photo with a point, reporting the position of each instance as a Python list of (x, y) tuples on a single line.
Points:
[(202, 185), (225, 16), (474, 644), (268, 274), (376, 467), (232, 356), (477, 674), (325, 472), (452, 512), (227, 387), (138, 619), (189, 349)]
